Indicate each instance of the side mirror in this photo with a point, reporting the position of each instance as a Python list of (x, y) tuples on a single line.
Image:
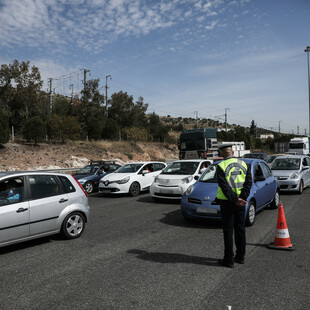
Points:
[(144, 172), (305, 167), (196, 177)]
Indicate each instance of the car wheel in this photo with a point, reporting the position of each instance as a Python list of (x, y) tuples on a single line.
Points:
[(301, 187), (89, 187), (73, 225), (276, 200), (251, 214), (134, 189)]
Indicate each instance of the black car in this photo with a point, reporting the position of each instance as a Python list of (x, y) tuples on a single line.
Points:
[(90, 175), (262, 156)]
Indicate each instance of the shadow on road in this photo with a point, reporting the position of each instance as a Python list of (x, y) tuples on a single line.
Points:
[(175, 218), (174, 258)]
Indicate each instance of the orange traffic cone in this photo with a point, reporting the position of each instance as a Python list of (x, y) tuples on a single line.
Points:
[(282, 240)]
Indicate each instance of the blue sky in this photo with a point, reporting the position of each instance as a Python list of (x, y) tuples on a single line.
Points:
[(181, 56)]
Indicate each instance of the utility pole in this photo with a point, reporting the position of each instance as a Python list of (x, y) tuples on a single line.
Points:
[(106, 91), (51, 95), (71, 86), (85, 78), (279, 126), (196, 112), (298, 130), (307, 50), (226, 118)]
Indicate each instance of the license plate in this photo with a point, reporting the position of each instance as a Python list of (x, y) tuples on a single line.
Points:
[(206, 210)]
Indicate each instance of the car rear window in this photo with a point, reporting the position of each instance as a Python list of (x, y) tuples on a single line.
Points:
[(68, 186)]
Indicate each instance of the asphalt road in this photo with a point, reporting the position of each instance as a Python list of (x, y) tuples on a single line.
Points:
[(137, 254)]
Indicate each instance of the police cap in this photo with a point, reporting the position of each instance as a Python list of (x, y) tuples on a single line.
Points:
[(224, 145)]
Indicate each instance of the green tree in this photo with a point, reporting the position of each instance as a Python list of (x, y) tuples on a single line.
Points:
[(63, 128), (4, 127), (34, 130), (20, 93), (125, 112)]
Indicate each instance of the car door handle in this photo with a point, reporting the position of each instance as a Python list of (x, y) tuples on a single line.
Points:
[(63, 200), (21, 210)]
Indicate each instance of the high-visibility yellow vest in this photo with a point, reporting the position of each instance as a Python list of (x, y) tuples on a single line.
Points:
[(235, 173)]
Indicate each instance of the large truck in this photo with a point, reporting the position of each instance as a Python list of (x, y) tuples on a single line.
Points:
[(237, 147), (198, 143), (299, 145)]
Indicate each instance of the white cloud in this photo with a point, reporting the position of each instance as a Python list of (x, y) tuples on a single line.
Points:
[(211, 25)]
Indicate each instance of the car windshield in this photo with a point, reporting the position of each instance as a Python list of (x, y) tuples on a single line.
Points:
[(271, 158), (186, 168), (209, 176), (88, 170), (129, 168), (285, 164)]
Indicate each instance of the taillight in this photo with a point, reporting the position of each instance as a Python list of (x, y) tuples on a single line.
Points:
[(80, 186)]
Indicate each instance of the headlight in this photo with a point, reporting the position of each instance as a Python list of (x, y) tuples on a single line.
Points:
[(295, 175), (188, 179), (189, 190), (81, 181), (123, 181)]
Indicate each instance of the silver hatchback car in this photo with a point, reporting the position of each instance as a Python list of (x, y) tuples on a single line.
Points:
[(34, 205), (292, 172)]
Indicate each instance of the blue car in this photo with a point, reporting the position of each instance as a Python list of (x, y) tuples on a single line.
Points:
[(90, 175), (197, 200)]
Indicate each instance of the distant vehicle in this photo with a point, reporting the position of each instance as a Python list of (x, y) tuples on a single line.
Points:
[(299, 145), (198, 143), (131, 178), (197, 201), (292, 172), (90, 175), (36, 204), (262, 156), (271, 158), (173, 181)]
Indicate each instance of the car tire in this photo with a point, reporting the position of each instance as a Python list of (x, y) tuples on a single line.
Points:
[(251, 214), (276, 200), (134, 189), (73, 225), (89, 187), (301, 187)]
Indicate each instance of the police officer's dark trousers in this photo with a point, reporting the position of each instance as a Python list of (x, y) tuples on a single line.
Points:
[(233, 219)]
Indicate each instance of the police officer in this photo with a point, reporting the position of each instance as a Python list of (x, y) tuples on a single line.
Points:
[(234, 184)]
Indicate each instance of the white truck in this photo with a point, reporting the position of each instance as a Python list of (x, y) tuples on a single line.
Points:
[(299, 145), (238, 148)]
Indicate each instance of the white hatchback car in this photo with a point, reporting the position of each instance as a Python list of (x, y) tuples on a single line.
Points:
[(131, 178), (38, 204), (173, 181)]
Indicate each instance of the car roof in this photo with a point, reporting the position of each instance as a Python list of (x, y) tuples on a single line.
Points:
[(22, 173), (191, 160), (292, 156)]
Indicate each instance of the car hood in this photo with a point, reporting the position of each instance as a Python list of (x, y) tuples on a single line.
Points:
[(283, 173), (204, 191), (82, 176), (116, 176), (175, 179)]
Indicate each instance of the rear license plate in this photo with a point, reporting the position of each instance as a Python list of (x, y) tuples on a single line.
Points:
[(206, 210)]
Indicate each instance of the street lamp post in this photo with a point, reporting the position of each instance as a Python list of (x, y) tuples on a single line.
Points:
[(307, 50)]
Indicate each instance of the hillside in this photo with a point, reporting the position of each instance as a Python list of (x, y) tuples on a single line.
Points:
[(16, 156)]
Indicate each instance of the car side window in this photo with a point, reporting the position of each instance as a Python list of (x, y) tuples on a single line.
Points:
[(42, 186), (258, 172), (304, 162), (266, 170), (308, 161), (158, 166), (67, 185), (12, 191)]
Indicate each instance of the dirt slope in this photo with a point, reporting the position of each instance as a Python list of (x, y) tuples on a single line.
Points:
[(77, 154)]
